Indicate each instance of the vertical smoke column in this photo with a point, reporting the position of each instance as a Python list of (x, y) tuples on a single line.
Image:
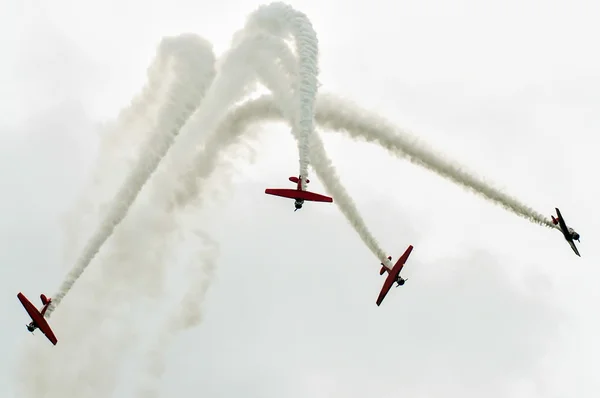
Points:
[(275, 77), (282, 20)]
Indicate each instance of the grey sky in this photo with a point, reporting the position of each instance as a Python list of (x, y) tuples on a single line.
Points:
[(494, 306)]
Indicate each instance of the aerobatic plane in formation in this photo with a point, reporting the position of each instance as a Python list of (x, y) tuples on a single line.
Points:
[(393, 274), (568, 232), (298, 194), (37, 317)]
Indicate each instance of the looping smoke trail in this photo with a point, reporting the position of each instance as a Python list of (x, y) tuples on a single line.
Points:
[(183, 97), (281, 20), (274, 78), (259, 49), (269, 52), (235, 78)]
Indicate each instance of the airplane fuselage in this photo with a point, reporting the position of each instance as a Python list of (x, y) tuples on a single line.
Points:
[(574, 235)]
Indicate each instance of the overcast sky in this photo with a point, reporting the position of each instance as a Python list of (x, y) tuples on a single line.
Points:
[(494, 306)]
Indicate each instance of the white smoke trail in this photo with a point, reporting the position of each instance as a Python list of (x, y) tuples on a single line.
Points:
[(234, 80), (182, 98), (98, 328), (282, 20), (260, 49), (275, 78), (268, 51), (118, 150), (337, 114), (188, 314)]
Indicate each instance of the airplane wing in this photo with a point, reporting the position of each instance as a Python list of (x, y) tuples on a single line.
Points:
[(402, 260), (37, 318), (315, 197), (563, 225), (387, 285), (296, 194), (574, 247), (565, 231)]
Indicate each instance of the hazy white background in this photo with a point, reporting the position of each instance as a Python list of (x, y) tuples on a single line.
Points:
[(494, 306)]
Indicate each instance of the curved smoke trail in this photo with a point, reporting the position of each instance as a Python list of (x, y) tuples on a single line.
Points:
[(182, 98), (336, 114), (282, 20), (260, 50), (235, 78), (274, 78), (277, 77), (124, 272)]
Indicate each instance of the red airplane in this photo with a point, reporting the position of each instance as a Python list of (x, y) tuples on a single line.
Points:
[(393, 274), (37, 317), (298, 194)]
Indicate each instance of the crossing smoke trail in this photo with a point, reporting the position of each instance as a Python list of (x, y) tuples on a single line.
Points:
[(277, 77), (295, 88), (274, 79), (282, 20), (182, 98), (259, 49), (336, 114), (236, 76)]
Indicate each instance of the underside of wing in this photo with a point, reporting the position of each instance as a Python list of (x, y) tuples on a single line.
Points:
[(574, 247), (45, 328), (387, 285), (296, 194), (37, 318), (48, 332), (286, 193), (30, 308), (315, 197)]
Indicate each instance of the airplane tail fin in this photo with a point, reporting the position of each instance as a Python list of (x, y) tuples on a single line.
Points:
[(554, 220), (44, 299), (383, 267), (295, 180)]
